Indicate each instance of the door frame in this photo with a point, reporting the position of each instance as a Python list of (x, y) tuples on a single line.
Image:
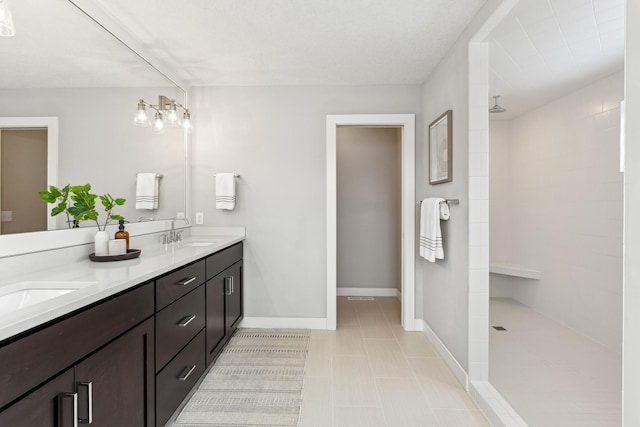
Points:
[(406, 122), (51, 124)]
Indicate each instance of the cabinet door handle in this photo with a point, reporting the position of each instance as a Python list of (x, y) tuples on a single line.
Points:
[(185, 281), (184, 322), (89, 387), (183, 376), (227, 285), (74, 399), (232, 287)]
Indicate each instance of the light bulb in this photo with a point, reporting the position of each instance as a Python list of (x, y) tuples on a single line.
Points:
[(186, 120), (141, 119), (158, 123), (6, 20), (172, 115)]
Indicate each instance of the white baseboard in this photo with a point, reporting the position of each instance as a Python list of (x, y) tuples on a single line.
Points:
[(451, 361), (367, 292), (284, 322), (493, 405)]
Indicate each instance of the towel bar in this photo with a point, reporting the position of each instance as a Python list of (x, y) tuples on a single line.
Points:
[(235, 175), (447, 201), (158, 175)]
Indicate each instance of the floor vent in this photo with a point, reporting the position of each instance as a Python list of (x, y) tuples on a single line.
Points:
[(360, 298), (499, 328)]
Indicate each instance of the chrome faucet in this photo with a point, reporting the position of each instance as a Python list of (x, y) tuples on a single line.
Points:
[(174, 236)]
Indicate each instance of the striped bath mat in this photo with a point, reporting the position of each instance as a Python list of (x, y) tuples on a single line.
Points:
[(256, 381)]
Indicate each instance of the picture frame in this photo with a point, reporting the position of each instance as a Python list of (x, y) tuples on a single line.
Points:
[(441, 149)]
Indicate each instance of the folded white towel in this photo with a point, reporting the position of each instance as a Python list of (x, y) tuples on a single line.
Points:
[(225, 191), (147, 191), (432, 210)]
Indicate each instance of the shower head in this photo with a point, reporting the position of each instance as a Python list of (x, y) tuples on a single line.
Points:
[(496, 108)]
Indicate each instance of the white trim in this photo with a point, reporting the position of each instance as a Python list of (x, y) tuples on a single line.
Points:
[(367, 292), (407, 123), (284, 322), (51, 124), (494, 406), (456, 368)]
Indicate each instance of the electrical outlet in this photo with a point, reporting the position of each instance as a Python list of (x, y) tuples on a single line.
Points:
[(199, 218), (7, 216)]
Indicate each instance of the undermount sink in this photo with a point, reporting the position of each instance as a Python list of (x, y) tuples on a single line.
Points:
[(20, 295)]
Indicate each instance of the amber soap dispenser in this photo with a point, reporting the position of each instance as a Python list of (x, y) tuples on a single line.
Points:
[(122, 233)]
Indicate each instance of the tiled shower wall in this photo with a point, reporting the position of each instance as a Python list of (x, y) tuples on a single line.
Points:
[(566, 208)]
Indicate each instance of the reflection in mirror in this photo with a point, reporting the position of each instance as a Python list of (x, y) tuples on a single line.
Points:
[(91, 83), (28, 156)]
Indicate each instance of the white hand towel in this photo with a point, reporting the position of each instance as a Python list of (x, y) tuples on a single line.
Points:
[(147, 191), (225, 191), (432, 210)]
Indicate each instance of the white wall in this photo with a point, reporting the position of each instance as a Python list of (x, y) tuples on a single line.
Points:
[(566, 206), (274, 137), (98, 143), (369, 207), (631, 353)]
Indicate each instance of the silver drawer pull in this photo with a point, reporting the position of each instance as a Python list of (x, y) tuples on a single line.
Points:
[(184, 322), (74, 399), (89, 387), (185, 281), (183, 377)]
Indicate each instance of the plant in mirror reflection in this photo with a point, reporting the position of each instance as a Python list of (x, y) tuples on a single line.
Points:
[(77, 202)]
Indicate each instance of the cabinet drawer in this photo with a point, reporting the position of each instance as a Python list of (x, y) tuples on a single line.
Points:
[(38, 356), (219, 261), (174, 285), (177, 379), (177, 324)]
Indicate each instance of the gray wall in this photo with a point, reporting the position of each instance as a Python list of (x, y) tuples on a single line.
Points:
[(369, 167), (275, 137)]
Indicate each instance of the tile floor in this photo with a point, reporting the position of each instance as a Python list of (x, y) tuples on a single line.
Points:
[(551, 375), (370, 373)]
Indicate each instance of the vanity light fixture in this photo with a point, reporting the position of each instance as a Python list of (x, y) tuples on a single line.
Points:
[(6, 20), (166, 112)]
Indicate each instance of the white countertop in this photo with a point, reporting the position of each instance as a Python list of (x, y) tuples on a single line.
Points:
[(98, 280)]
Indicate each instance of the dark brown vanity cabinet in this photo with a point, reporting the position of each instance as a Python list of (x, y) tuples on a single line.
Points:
[(96, 365), (224, 298), (128, 360), (180, 336)]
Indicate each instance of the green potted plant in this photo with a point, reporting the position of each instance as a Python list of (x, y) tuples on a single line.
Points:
[(77, 202)]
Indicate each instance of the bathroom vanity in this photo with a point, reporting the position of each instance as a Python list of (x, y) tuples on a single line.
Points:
[(135, 348)]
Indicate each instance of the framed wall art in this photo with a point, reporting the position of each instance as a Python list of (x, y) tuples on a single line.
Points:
[(440, 149)]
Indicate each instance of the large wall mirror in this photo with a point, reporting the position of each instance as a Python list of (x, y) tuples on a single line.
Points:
[(63, 67)]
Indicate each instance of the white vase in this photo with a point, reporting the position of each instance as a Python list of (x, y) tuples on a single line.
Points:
[(101, 241)]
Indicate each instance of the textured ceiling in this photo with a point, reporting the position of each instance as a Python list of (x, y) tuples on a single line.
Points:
[(302, 42), (548, 48)]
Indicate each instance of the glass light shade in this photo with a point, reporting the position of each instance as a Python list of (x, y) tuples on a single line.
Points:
[(172, 116), (186, 120), (6, 20), (141, 118), (158, 123)]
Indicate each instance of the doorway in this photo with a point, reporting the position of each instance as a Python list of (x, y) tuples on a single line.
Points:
[(406, 125), (20, 127)]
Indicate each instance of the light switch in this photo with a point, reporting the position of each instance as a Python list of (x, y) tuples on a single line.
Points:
[(7, 216)]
